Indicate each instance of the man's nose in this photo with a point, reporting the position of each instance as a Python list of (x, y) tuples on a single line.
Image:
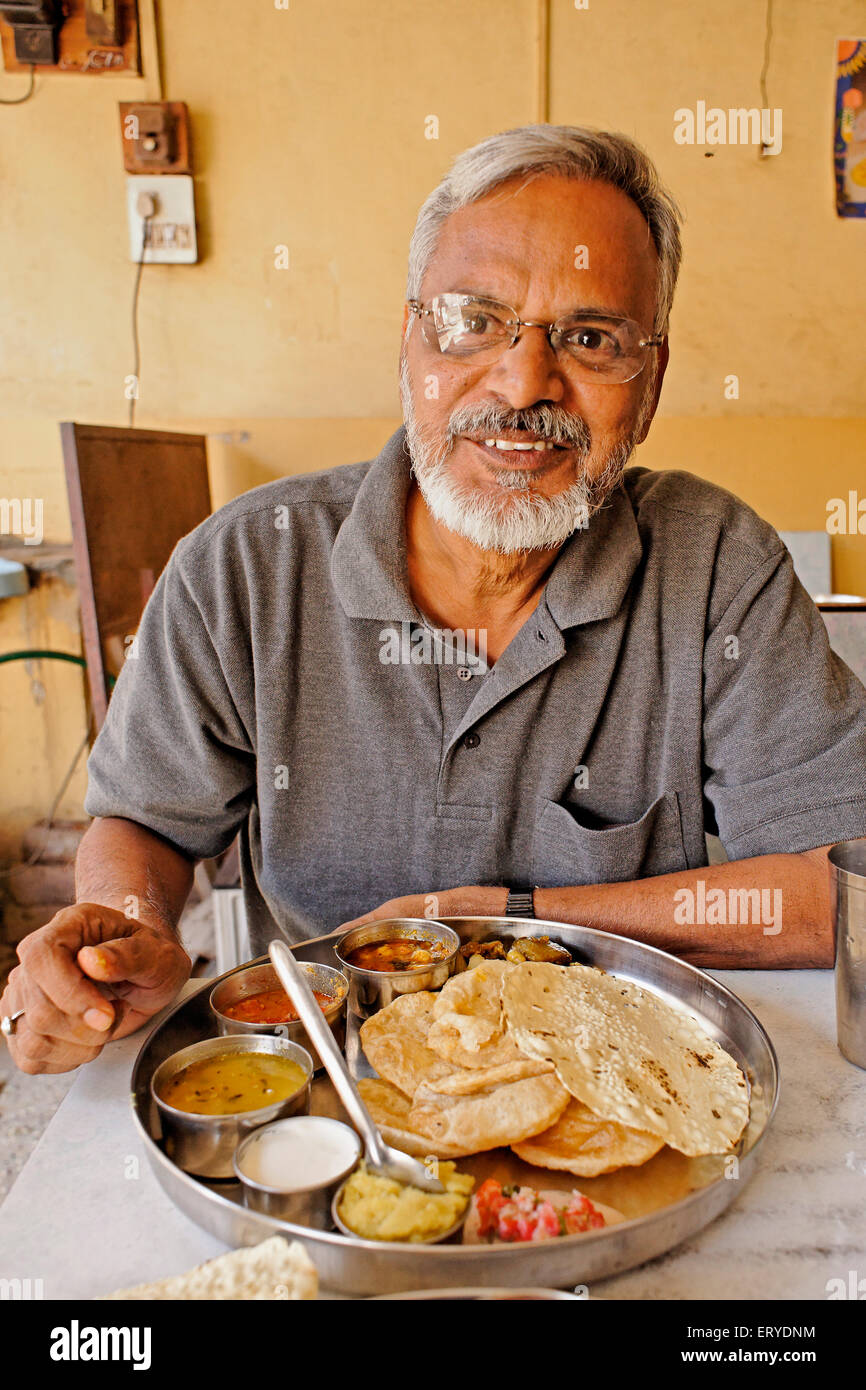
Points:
[(529, 371)]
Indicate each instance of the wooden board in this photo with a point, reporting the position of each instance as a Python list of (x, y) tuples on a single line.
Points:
[(132, 495), (77, 51)]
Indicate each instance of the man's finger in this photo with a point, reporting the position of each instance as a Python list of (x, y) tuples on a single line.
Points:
[(395, 907), (51, 963), (44, 1018), (35, 1054), (139, 960)]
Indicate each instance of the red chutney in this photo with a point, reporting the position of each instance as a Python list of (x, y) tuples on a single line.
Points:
[(521, 1213), (271, 1006)]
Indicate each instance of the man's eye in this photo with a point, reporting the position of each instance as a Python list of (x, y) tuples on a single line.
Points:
[(482, 325), (592, 341), (588, 338)]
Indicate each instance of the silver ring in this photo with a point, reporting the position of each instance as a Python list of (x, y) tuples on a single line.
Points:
[(9, 1022)]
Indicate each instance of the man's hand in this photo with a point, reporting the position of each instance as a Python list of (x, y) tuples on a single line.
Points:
[(450, 902), (91, 975)]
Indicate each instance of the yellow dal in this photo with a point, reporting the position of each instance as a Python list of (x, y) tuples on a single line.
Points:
[(378, 1208), (231, 1082)]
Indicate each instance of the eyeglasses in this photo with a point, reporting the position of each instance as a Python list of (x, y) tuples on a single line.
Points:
[(602, 347)]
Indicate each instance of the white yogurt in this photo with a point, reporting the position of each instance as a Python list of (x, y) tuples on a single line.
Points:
[(300, 1152)]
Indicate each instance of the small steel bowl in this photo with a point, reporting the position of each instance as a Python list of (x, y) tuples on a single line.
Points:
[(372, 990), (254, 979), (430, 1240), (205, 1144), (306, 1206)]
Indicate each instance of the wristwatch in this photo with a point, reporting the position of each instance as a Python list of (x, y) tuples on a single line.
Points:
[(519, 904)]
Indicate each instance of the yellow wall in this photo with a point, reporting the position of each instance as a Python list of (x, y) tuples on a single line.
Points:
[(43, 719), (309, 131)]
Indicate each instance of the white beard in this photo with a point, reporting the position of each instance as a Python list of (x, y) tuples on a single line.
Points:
[(519, 519)]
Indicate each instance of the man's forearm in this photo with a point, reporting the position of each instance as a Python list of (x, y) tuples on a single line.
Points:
[(123, 865), (769, 912)]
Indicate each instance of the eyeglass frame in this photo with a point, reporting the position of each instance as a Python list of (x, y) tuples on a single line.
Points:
[(418, 310)]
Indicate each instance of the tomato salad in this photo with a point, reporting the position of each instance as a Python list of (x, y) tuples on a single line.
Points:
[(522, 1214)]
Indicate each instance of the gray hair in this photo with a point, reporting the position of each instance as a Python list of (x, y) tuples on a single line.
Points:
[(575, 152)]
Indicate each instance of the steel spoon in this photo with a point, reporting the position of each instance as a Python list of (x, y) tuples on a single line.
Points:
[(392, 1163)]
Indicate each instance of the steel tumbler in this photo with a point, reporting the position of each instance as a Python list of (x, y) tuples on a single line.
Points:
[(848, 885)]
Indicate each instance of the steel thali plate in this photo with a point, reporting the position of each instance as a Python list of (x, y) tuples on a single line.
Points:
[(665, 1200)]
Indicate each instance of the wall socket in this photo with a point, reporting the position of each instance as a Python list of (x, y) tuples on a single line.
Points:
[(171, 231), (155, 137)]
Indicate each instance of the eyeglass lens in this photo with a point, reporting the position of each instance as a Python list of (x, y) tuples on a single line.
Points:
[(461, 326)]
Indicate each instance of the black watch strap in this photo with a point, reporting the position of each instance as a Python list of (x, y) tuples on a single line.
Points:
[(519, 904)]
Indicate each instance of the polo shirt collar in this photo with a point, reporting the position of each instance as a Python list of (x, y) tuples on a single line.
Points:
[(589, 581), (595, 567), (368, 561)]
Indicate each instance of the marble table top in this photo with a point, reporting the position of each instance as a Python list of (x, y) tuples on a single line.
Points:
[(87, 1216)]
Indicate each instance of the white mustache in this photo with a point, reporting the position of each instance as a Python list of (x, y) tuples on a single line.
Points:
[(553, 426)]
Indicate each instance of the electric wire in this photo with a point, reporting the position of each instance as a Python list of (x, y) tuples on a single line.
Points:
[(16, 101), (145, 239)]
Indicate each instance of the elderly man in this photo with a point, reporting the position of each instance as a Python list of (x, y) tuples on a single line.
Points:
[(489, 670)]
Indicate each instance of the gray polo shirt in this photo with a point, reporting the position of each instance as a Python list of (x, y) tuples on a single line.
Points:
[(675, 677)]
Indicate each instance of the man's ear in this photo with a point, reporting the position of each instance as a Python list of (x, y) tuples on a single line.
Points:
[(662, 359)]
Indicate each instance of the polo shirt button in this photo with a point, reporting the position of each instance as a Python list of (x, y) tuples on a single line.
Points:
[(463, 673), (471, 740), (542, 636)]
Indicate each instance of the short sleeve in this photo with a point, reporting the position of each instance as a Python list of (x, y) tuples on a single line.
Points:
[(784, 722), (174, 754)]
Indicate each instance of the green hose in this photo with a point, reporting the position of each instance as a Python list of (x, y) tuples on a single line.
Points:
[(38, 654)]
